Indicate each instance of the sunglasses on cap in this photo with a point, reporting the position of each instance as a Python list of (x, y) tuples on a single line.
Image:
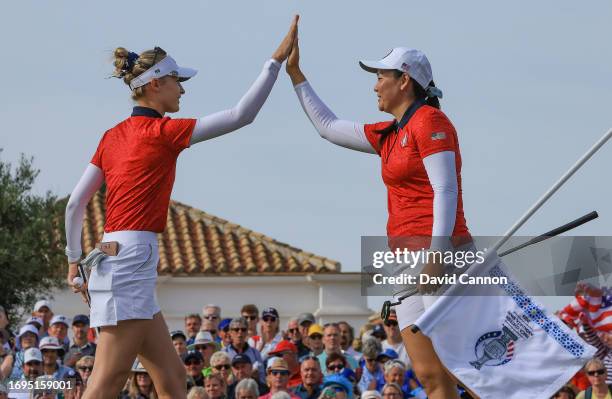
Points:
[(337, 367), (279, 372), (316, 336), (596, 372), (238, 329), (222, 367), (271, 319)]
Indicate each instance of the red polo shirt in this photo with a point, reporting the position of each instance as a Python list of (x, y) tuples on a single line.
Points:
[(409, 192), (138, 158)]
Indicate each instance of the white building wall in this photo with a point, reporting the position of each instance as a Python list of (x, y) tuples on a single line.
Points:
[(331, 297)]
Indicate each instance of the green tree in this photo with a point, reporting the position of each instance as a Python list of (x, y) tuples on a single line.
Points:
[(32, 262)]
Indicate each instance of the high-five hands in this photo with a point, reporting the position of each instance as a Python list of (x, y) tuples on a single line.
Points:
[(283, 50)]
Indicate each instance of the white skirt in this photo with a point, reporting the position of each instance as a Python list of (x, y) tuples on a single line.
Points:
[(122, 287)]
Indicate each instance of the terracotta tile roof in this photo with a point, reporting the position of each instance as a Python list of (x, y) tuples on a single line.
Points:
[(197, 243)]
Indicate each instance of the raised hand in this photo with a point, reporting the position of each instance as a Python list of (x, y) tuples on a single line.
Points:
[(283, 50), (293, 64)]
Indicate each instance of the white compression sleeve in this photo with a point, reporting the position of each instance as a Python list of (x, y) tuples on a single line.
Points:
[(243, 113), (89, 183), (442, 175), (341, 132)]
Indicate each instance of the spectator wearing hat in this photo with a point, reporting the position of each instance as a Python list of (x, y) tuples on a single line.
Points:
[(179, 340), (238, 332), (224, 335), (394, 338), (27, 338), (340, 384), (84, 366), (372, 377), (204, 344), (288, 351), (215, 386), (75, 388), (242, 369), (270, 332), (294, 334), (315, 339), (312, 378), (59, 329), (36, 322), (371, 395), (140, 385), (250, 313), (80, 344), (378, 332), (386, 355), (278, 378), (211, 316), (305, 320), (51, 351), (194, 364), (193, 325), (331, 344), (42, 309), (32, 368)]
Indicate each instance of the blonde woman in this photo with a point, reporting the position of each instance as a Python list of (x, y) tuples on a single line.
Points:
[(137, 161), (84, 367)]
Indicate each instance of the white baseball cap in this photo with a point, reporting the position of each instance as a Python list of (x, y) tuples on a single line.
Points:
[(49, 342), (411, 61), (60, 319), (40, 304), (167, 66), (32, 354)]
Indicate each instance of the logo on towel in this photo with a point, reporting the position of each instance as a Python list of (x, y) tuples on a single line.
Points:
[(438, 136), (496, 348)]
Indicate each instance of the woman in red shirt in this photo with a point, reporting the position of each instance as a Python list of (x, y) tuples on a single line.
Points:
[(137, 161), (421, 168)]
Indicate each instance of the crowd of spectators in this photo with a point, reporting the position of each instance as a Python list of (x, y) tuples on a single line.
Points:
[(245, 357)]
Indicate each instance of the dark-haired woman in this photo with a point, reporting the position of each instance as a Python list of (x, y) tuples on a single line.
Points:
[(421, 168), (137, 161)]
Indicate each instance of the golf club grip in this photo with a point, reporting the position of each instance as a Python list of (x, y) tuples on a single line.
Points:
[(556, 231)]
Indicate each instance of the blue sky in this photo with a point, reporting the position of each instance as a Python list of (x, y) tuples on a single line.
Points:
[(527, 85)]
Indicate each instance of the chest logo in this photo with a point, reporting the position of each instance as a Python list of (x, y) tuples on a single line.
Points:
[(404, 140), (438, 136)]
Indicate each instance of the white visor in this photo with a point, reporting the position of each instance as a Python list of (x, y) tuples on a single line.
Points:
[(165, 67)]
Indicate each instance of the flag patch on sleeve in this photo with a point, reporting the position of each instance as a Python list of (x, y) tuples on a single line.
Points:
[(438, 136)]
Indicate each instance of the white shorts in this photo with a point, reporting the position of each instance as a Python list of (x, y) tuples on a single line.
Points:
[(412, 307), (122, 287)]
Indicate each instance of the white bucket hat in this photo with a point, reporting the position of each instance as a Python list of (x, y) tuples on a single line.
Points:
[(166, 66), (410, 61)]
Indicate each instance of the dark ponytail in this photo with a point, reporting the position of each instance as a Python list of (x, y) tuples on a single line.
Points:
[(420, 93)]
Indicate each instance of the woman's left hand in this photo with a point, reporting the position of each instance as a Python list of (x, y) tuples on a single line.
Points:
[(283, 50)]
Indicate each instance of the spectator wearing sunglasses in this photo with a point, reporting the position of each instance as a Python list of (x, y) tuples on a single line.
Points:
[(211, 316), (315, 339), (84, 367), (220, 363), (238, 329), (294, 334), (224, 334), (596, 373), (372, 377), (206, 345), (288, 352), (270, 332), (331, 344), (278, 378), (394, 338), (312, 378), (335, 363), (194, 364), (347, 335), (340, 384), (242, 369), (250, 313)]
